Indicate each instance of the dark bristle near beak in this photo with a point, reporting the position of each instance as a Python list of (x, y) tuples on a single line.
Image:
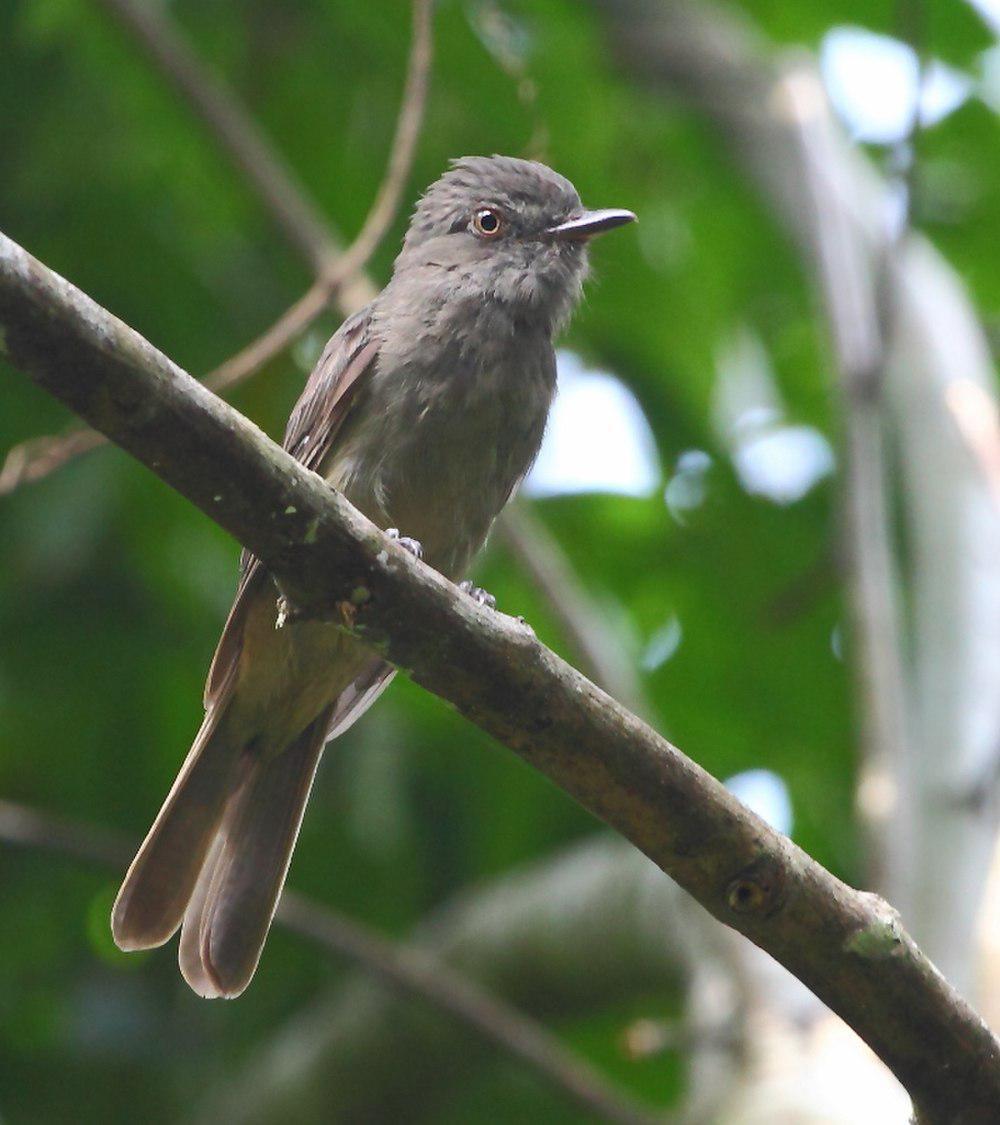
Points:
[(589, 223)]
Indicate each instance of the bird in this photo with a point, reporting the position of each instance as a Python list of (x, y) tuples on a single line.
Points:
[(425, 410)]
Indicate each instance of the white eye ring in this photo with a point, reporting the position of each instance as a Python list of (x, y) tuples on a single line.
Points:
[(487, 222)]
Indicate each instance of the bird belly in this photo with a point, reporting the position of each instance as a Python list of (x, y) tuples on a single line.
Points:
[(443, 460), (288, 675), (435, 454)]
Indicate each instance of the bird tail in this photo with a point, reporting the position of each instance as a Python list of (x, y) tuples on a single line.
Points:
[(217, 855), (158, 885), (230, 910)]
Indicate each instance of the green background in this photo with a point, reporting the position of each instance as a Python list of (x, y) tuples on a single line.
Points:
[(113, 589)]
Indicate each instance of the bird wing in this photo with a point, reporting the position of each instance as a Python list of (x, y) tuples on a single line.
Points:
[(322, 407), (312, 429)]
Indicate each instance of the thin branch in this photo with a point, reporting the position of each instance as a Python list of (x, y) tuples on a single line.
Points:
[(597, 654), (238, 135), (407, 969), (340, 268), (32, 828), (340, 275), (258, 353), (404, 145), (331, 562), (419, 972), (34, 459), (587, 926)]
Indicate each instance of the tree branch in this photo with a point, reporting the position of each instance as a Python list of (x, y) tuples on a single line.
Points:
[(599, 654), (340, 275), (330, 561), (936, 359), (409, 970), (341, 269), (590, 926), (404, 145), (248, 149), (421, 973)]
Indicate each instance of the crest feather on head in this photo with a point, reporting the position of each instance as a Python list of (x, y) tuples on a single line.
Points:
[(517, 185)]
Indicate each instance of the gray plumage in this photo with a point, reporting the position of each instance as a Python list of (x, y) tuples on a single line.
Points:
[(426, 410)]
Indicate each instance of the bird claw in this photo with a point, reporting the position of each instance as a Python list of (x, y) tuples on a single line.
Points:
[(411, 546), (478, 594), (286, 613)]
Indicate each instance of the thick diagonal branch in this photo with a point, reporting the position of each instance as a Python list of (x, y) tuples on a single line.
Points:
[(848, 947), (340, 274)]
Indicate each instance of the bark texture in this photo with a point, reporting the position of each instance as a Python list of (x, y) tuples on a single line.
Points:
[(847, 946)]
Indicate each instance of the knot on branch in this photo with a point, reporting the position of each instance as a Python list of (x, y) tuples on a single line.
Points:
[(882, 934), (758, 889)]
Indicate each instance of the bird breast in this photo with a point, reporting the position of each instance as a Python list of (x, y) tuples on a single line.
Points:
[(446, 428)]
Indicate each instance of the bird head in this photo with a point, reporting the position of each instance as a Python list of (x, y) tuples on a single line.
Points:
[(514, 229)]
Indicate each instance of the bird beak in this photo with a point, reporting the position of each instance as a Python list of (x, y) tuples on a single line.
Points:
[(580, 227)]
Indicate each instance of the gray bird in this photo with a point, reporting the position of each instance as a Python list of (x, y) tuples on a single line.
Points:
[(425, 410)]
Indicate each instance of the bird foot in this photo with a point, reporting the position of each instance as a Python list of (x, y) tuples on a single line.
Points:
[(287, 612), (478, 594), (411, 546)]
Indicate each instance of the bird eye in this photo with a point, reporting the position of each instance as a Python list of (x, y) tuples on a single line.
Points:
[(487, 222)]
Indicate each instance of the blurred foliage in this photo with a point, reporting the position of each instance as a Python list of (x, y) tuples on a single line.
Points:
[(112, 589)]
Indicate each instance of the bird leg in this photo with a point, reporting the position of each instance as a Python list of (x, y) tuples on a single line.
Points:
[(289, 613)]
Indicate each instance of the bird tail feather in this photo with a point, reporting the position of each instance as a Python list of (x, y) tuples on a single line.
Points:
[(217, 855), (232, 905), (158, 885)]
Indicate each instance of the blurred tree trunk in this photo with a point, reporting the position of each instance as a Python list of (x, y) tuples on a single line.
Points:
[(938, 796)]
